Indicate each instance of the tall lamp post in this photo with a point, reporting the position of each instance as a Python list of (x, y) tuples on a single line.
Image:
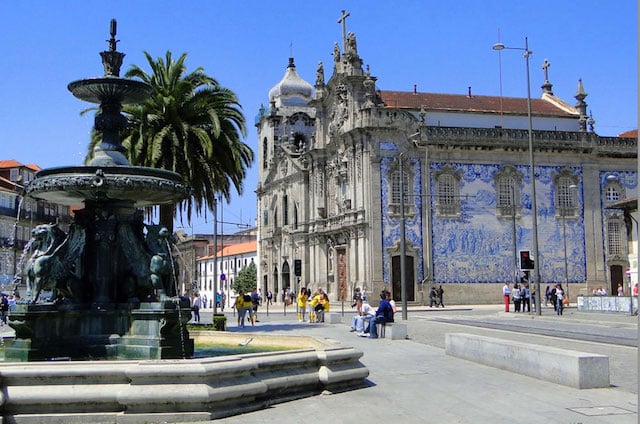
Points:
[(534, 206), (403, 243)]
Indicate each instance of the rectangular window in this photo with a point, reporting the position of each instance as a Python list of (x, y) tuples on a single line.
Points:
[(446, 190), (614, 238), (506, 193), (395, 187), (448, 203), (565, 194), (612, 194)]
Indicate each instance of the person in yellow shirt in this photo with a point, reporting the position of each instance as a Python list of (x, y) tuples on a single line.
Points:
[(302, 304), (313, 303), (322, 307), (243, 306)]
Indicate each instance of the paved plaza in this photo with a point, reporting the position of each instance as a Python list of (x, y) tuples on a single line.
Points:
[(414, 381)]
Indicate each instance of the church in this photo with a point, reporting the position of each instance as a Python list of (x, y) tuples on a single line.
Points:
[(360, 187)]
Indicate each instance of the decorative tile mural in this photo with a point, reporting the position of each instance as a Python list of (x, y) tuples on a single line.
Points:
[(478, 246)]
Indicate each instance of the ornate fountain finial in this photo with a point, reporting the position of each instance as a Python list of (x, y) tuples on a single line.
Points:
[(112, 59), (113, 30)]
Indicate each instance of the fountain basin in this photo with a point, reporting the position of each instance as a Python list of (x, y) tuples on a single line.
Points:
[(74, 185), (147, 330), (110, 88), (174, 390)]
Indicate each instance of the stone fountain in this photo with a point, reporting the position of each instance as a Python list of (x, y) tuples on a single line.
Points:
[(106, 290), (110, 279)]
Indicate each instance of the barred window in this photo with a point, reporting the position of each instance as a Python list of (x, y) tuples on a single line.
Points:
[(446, 190), (566, 193), (506, 192), (448, 202), (395, 187), (612, 194), (614, 238)]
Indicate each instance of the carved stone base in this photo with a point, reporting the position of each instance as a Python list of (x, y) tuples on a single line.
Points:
[(155, 330)]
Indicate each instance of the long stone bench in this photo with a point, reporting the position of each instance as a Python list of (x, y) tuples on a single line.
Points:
[(567, 367)]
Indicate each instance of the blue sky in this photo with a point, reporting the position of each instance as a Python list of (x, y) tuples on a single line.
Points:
[(440, 46)]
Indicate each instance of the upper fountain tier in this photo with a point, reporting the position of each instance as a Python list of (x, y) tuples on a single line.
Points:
[(109, 176), (111, 89)]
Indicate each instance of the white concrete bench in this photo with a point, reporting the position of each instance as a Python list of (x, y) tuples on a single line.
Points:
[(392, 330), (567, 367), (332, 318)]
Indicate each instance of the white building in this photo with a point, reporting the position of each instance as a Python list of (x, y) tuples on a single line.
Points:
[(216, 273)]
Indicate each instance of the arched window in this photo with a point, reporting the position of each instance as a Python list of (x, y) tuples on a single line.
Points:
[(401, 175), (614, 237), (285, 210), (566, 193), (447, 192), (508, 192), (395, 187)]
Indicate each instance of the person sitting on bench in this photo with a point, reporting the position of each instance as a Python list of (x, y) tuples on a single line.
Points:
[(384, 314)]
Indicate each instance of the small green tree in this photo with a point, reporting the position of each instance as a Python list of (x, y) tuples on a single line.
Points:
[(246, 279)]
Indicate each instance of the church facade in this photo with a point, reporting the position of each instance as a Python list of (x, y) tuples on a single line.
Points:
[(346, 169)]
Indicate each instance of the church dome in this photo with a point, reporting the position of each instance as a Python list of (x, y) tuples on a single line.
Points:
[(291, 86)]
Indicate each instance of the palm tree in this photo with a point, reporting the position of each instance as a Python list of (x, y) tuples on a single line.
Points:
[(190, 125)]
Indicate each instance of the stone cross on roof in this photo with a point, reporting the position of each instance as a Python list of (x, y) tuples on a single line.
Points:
[(343, 21), (547, 87), (545, 65)]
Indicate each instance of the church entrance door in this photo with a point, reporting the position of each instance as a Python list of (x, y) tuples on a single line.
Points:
[(395, 278), (342, 273), (616, 278)]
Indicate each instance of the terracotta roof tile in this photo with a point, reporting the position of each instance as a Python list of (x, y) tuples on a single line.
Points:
[(236, 249), (630, 134), (10, 163), (463, 103)]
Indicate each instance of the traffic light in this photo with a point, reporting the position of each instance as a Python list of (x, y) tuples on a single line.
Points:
[(297, 267), (525, 260)]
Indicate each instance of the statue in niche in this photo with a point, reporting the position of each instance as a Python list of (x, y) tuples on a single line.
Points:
[(336, 53), (330, 258), (54, 262)]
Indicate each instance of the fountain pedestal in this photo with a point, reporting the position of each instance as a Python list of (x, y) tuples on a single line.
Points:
[(153, 330)]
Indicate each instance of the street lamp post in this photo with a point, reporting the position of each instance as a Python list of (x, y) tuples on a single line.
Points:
[(403, 243), (564, 241), (534, 206), (514, 234)]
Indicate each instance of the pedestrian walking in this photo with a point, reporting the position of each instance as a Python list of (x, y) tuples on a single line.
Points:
[(517, 298), (559, 299), (196, 305), (440, 292)]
